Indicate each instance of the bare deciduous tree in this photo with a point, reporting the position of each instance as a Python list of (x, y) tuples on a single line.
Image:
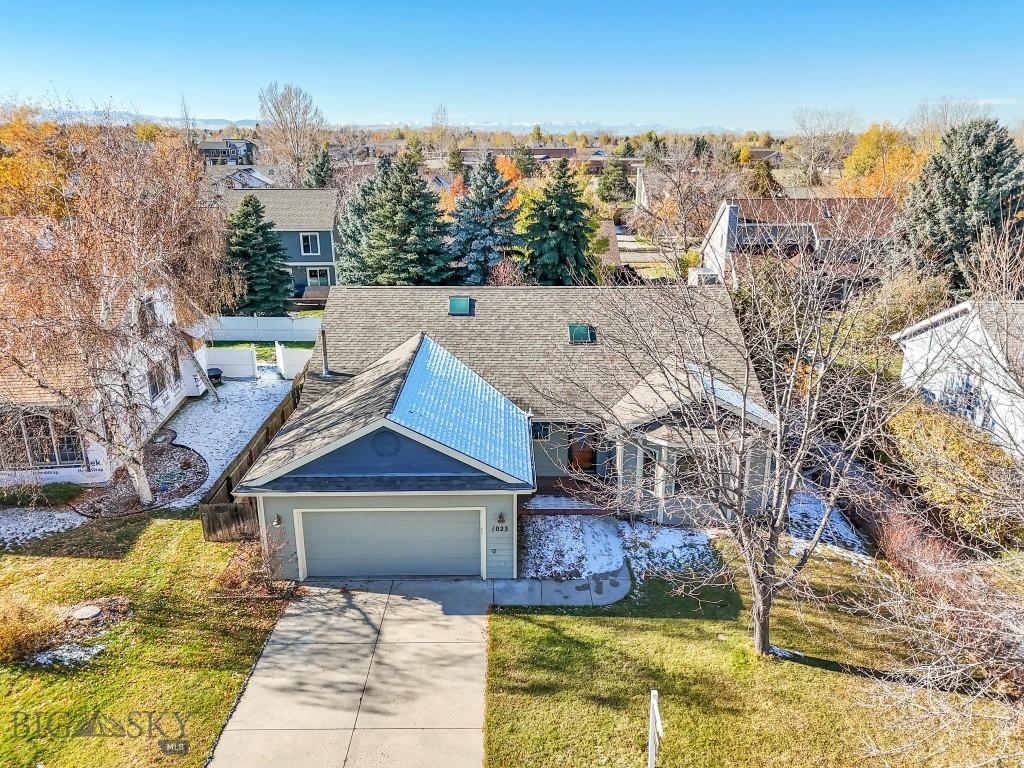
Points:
[(821, 140), (682, 189), (94, 296), (931, 119), (730, 422), (292, 127)]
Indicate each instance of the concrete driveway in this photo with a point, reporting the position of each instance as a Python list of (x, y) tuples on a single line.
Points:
[(381, 673)]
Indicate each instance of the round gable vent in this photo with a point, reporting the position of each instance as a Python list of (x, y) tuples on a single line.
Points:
[(385, 444)]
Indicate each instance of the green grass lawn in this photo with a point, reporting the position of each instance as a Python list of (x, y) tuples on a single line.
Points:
[(570, 687), (182, 649), (264, 349)]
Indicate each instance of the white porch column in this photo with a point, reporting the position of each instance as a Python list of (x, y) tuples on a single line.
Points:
[(638, 479), (620, 463), (660, 481)]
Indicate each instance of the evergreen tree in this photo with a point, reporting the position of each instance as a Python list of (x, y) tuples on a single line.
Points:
[(760, 182), (258, 255), (320, 171), (392, 232), (974, 181), (352, 245), (524, 160), (535, 135), (628, 148), (456, 166), (558, 231), (484, 229), (613, 186)]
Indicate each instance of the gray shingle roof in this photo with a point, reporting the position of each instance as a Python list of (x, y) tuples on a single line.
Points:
[(517, 338), (352, 404), (1003, 321), (292, 210)]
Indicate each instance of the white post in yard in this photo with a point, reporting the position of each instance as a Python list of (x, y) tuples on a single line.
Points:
[(655, 731)]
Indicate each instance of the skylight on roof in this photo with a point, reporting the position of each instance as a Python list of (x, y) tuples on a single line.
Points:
[(582, 333), (460, 306)]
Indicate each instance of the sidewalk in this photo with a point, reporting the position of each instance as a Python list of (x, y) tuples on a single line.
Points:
[(597, 590)]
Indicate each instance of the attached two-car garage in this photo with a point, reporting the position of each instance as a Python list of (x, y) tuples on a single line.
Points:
[(389, 542)]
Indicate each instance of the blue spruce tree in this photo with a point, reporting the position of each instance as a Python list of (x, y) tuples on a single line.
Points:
[(484, 229)]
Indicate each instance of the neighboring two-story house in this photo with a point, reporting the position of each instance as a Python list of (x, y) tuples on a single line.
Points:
[(38, 440), (228, 151), (429, 413), (304, 219), (860, 229), (970, 359)]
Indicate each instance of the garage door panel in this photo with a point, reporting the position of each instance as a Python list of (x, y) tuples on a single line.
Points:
[(352, 543)]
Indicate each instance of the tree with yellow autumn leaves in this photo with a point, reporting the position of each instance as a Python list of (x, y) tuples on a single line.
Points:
[(883, 163), (34, 162)]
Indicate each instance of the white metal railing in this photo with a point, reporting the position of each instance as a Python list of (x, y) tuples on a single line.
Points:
[(655, 731)]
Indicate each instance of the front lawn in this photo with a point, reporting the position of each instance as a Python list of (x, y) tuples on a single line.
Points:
[(181, 650), (570, 687)]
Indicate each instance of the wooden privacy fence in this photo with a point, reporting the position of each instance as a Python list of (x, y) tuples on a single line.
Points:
[(219, 495), (229, 522)]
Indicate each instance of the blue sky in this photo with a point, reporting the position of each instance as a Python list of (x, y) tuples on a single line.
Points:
[(681, 64)]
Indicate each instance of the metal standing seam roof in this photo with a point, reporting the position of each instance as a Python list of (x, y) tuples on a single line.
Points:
[(444, 400), (422, 387)]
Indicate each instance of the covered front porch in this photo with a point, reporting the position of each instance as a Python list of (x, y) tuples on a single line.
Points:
[(649, 478)]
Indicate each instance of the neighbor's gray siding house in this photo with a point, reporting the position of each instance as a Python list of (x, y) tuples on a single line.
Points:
[(430, 411), (228, 151), (304, 219)]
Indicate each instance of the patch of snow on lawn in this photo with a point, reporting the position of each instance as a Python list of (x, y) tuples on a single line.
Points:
[(653, 548), (805, 513), (556, 502), (602, 545), (783, 653), (553, 547), (68, 655), (568, 546), (218, 431), (21, 524)]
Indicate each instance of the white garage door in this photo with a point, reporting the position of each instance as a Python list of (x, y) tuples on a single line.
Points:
[(355, 543)]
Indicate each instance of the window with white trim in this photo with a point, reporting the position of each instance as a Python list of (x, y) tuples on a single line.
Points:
[(174, 371), (318, 276), (310, 243), (51, 442), (156, 378)]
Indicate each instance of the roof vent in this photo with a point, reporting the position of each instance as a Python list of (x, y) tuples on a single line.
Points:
[(460, 306), (582, 333)]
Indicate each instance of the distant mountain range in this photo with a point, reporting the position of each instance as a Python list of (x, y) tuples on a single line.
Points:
[(583, 126)]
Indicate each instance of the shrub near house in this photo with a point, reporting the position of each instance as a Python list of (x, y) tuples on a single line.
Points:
[(960, 470)]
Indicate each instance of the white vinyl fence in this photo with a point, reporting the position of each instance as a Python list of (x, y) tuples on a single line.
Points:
[(290, 361), (655, 731), (234, 363), (226, 328)]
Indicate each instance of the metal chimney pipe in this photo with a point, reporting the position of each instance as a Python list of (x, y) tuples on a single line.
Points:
[(323, 351)]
